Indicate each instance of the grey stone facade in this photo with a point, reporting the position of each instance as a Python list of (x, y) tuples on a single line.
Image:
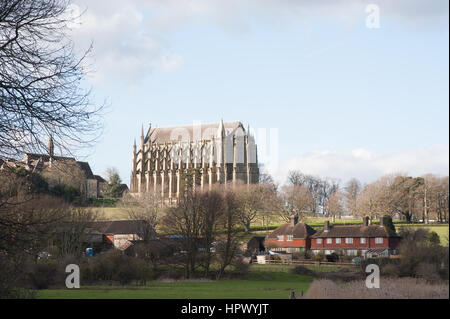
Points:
[(208, 153)]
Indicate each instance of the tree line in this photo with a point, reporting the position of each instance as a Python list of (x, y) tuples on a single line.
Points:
[(420, 198)]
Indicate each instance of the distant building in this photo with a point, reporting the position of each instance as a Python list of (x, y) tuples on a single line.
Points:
[(215, 153), (120, 234), (357, 240), (291, 237), (365, 240), (60, 170)]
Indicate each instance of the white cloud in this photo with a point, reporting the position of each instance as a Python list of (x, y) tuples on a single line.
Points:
[(131, 37), (366, 165), (124, 47)]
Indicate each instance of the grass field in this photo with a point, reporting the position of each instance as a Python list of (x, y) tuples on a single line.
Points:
[(260, 284), (441, 230)]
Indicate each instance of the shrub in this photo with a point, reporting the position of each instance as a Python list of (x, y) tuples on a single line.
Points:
[(43, 275), (113, 266), (319, 257)]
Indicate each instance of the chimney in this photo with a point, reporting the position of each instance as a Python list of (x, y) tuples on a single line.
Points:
[(326, 226), (382, 221), (366, 221), (294, 220)]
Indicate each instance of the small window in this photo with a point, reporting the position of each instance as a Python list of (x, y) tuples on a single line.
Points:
[(280, 238), (338, 240), (362, 240), (318, 240), (329, 240), (378, 240), (289, 237), (349, 240)]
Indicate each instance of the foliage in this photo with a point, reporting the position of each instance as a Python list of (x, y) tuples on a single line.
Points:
[(114, 188), (421, 256)]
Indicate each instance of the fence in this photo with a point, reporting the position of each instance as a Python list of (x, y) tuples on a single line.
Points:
[(304, 263)]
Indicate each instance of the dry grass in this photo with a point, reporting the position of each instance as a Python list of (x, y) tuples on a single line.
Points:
[(390, 288)]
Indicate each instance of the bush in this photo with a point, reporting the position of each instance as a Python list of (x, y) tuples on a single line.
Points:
[(332, 257), (113, 266), (43, 275), (319, 257), (421, 256)]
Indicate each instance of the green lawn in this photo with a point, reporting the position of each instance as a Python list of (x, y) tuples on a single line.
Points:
[(112, 213), (264, 285), (441, 229)]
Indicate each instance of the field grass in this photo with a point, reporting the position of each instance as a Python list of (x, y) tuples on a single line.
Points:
[(260, 284), (288, 268), (111, 213), (441, 230)]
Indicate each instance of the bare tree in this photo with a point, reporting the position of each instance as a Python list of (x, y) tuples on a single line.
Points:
[(186, 220), (27, 217), (352, 191), (334, 205), (227, 248), (254, 200), (319, 188), (212, 209), (40, 80), (71, 231), (148, 207), (296, 200)]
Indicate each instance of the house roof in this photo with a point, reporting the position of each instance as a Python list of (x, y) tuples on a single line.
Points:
[(84, 166), (117, 227), (300, 230), (45, 157), (185, 132), (356, 231), (39, 161), (99, 179)]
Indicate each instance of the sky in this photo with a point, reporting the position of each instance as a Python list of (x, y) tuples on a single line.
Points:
[(328, 87)]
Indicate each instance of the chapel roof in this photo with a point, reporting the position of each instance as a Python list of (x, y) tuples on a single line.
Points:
[(189, 132)]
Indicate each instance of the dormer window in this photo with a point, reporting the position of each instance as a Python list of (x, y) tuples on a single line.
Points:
[(289, 237), (280, 238)]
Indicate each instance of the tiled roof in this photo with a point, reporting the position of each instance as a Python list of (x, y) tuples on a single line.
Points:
[(356, 231), (300, 230), (99, 179), (205, 131), (84, 166), (46, 157)]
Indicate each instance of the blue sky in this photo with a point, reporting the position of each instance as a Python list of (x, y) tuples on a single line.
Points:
[(346, 100)]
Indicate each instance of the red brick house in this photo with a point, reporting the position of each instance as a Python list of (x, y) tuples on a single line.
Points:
[(291, 237), (365, 241)]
